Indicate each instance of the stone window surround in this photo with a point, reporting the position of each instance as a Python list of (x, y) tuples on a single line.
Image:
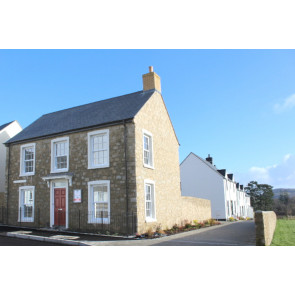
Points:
[(89, 135), (152, 183), (150, 136), (53, 142), (20, 203), (22, 166), (91, 219)]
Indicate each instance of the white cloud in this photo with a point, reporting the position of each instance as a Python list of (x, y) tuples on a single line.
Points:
[(286, 105), (281, 175)]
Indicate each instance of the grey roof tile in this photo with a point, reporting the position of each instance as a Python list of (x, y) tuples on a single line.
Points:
[(93, 114)]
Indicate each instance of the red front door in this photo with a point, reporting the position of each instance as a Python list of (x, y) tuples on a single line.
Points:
[(60, 206)]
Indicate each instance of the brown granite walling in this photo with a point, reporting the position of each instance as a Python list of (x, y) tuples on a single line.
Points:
[(169, 206)]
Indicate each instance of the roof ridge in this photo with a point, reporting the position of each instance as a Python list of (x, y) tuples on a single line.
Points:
[(67, 109)]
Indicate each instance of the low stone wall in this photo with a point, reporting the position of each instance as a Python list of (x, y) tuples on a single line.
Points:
[(1, 199), (265, 224), (195, 209)]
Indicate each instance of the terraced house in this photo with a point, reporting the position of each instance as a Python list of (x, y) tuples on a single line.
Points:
[(201, 178), (112, 164)]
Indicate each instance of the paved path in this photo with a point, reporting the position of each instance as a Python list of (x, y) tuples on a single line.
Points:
[(235, 234), (8, 241)]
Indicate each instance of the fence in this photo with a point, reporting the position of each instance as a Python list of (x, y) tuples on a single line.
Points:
[(74, 220)]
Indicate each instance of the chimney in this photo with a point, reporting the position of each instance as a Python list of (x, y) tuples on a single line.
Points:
[(209, 159), (151, 80)]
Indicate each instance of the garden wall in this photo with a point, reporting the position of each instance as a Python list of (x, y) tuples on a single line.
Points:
[(265, 224)]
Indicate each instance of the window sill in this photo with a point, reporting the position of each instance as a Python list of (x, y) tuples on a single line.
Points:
[(59, 170), (25, 220), (27, 174), (98, 167), (105, 221), (148, 166), (150, 220)]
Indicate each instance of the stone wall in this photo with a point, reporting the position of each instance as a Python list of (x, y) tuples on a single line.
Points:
[(170, 207), (78, 165), (195, 209), (265, 224)]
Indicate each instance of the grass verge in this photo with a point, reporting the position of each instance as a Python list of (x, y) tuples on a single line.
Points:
[(285, 233)]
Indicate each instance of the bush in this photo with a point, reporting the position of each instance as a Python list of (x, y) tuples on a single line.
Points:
[(231, 219)]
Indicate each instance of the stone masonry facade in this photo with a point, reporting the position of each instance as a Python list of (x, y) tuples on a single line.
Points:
[(170, 207), (78, 165)]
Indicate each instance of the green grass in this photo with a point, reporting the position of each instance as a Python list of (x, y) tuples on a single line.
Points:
[(285, 233)]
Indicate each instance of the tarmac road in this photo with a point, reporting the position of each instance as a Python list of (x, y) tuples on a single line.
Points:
[(235, 234)]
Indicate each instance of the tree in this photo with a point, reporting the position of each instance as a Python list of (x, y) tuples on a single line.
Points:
[(261, 196), (284, 199)]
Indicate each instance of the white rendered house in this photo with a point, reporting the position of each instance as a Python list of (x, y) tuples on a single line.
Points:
[(7, 131), (201, 179)]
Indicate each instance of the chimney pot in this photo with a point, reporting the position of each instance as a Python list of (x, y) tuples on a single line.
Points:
[(209, 159), (151, 80)]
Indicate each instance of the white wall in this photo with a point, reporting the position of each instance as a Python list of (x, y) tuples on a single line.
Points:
[(5, 134), (201, 181)]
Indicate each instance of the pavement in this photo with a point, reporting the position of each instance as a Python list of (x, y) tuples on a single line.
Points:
[(84, 239)]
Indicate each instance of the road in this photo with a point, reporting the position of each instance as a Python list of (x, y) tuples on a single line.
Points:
[(236, 234)]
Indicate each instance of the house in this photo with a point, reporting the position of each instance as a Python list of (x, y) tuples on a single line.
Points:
[(109, 165), (7, 131), (201, 178)]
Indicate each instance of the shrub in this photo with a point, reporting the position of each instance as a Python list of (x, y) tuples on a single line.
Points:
[(150, 233), (201, 224), (242, 218), (196, 222), (188, 225), (231, 219)]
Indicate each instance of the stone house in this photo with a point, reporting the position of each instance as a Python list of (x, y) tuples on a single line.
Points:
[(201, 178), (109, 165), (7, 131)]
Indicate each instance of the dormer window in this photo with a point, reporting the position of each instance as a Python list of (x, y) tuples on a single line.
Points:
[(60, 155)]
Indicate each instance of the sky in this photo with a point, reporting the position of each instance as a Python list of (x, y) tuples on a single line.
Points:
[(236, 105)]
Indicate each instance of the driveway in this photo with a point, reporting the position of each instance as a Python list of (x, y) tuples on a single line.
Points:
[(240, 233)]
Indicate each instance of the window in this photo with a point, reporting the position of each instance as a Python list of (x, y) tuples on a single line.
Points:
[(99, 201), (27, 160), (147, 149), (60, 155), (149, 190), (98, 149), (26, 204)]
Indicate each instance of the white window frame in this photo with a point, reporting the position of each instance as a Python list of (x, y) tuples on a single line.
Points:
[(91, 217), (148, 134), (20, 205), (152, 184), (22, 159), (90, 158), (53, 142)]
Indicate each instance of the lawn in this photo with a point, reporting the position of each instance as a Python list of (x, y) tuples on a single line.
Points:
[(285, 233)]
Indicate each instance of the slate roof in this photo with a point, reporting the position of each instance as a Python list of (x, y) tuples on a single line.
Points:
[(5, 125), (89, 115)]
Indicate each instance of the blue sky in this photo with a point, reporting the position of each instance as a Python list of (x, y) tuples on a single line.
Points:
[(237, 105)]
